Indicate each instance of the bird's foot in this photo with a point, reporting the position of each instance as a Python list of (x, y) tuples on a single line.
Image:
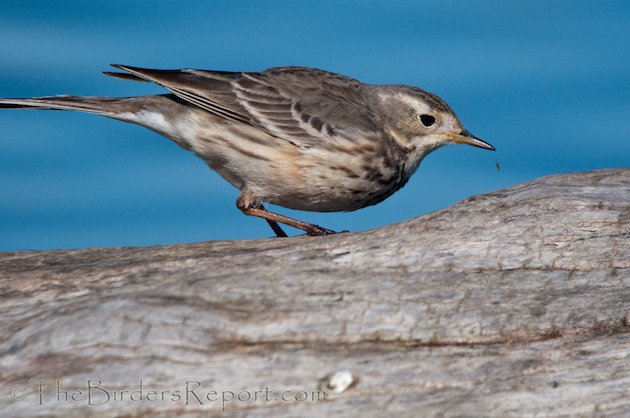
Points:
[(317, 230)]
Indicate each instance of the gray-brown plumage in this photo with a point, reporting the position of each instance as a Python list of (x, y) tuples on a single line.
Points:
[(297, 137)]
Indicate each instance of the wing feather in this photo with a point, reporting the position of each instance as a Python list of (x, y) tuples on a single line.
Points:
[(301, 105)]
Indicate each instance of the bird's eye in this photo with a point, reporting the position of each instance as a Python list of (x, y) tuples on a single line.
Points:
[(427, 120)]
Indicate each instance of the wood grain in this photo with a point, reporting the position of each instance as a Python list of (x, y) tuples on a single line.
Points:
[(513, 303)]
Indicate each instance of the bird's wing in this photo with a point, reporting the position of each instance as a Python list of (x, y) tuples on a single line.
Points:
[(301, 105), (209, 90)]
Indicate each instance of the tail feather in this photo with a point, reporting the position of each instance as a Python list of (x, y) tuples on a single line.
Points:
[(99, 105), (159, 113)]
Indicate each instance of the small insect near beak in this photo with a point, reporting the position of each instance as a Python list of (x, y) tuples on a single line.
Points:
[(465, 137)]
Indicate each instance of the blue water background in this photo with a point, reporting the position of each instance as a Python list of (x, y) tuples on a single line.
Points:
[(548, 83)]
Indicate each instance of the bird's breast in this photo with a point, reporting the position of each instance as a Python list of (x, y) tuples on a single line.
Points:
[(331, 186)]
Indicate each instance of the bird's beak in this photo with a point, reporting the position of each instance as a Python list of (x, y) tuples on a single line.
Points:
[(465, 137)]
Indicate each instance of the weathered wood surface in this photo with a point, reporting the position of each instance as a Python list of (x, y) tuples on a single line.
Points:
[(514, 303)]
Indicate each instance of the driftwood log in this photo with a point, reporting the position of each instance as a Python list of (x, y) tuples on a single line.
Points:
[(513, 303)]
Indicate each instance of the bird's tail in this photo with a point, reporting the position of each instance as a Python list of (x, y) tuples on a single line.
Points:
[(159, 113), (105, 106)]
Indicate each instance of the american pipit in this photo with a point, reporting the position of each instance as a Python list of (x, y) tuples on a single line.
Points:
[(296, 137)]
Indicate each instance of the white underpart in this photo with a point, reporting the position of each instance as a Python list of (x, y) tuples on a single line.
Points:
[(153, 120), (182, 129)]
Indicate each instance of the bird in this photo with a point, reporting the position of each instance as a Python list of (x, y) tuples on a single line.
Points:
[(296, 137)]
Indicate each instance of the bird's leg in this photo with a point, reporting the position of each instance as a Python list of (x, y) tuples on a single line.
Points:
[(273, 218), (253, 208), (273, 224)]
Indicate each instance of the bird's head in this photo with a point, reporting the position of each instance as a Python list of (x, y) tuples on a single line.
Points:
[(421, 121)]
